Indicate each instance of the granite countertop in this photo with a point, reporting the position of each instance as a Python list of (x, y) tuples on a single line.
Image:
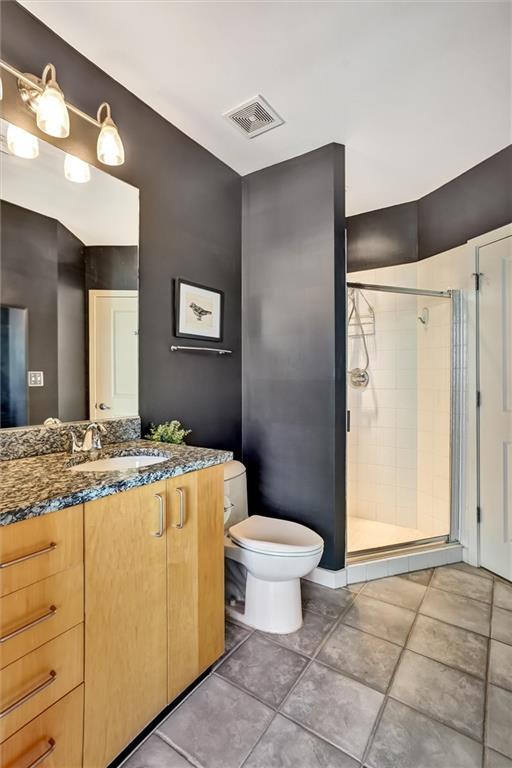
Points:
[(40, 484)]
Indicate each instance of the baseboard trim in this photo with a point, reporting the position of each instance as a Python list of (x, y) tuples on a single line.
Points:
[(393, 565), (390, 565), (327, 578)]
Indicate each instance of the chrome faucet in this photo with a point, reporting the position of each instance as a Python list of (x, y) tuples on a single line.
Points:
[(91, 439)]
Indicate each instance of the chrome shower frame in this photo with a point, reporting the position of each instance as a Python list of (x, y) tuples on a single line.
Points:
[(457, 397)]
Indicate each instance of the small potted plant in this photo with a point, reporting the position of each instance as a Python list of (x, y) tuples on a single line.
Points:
[(168, 432)]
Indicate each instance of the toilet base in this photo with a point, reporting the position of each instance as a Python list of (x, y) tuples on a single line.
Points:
[(271, 606)]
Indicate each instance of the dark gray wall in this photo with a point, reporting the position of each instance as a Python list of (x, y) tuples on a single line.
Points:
[(372, 237), (476, 202), (114, 267), (190, 216), (73, 371), (42, 269), (293, 343), (28, 278)]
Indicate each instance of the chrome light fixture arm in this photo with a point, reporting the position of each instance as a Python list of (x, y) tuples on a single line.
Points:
[(31, 88)]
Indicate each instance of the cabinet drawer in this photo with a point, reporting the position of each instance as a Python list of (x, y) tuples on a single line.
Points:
[(33, 549), (36, 614), (34, 682), (56, 733)]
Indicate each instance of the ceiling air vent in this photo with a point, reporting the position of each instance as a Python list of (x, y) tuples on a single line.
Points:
[(254, 116)]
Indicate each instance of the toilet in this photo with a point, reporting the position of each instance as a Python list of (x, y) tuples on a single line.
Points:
[(276, 554)]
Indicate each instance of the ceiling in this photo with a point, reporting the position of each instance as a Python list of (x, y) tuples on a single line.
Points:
[(417, 91), (105, 211)]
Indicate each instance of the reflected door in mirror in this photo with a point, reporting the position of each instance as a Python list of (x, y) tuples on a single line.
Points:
[(113, 352)]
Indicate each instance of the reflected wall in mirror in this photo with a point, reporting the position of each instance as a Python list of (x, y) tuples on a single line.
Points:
[(68, 291)]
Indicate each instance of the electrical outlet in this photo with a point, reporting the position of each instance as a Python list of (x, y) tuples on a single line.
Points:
[(36, 379)]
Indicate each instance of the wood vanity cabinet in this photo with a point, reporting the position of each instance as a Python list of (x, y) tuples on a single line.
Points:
[(41, 641), (154, 603), (125, 619), (195, 554), (145, 569)]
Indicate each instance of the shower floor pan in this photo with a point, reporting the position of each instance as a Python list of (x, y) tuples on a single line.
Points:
[(370, 535)]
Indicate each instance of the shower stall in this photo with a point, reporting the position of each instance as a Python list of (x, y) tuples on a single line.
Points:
[(403, 394)]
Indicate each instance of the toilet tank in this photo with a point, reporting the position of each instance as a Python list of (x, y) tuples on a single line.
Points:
[(235, 493)]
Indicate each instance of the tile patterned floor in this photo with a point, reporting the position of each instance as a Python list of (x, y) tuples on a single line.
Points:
[(411, 671)]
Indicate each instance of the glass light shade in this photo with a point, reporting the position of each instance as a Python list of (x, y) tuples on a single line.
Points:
[(21, 143), (110, 148), (76, 170), (52, 113)]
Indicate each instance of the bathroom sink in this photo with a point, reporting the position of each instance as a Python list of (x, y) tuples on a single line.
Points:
[(118, 463)]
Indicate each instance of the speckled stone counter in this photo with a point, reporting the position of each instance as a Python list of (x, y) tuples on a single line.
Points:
[(40, 484)]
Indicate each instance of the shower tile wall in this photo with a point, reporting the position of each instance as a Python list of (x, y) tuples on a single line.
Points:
[(434, 417), (383, 451)]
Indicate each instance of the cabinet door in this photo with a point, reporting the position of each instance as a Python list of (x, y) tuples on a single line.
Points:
[(125, 619), (195, 536)]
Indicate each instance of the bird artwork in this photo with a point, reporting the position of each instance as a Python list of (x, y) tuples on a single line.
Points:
[(198, 311)]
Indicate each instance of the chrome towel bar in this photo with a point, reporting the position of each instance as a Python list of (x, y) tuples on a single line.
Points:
[(175, 348)]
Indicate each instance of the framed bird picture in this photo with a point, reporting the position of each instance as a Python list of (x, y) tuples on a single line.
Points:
[(198, 311)]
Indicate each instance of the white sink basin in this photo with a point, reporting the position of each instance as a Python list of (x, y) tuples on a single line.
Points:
[(118, 463)]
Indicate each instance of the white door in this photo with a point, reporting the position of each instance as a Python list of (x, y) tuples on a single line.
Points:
[(113, 354), (495, 334)]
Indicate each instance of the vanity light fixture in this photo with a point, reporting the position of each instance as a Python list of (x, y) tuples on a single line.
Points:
[(46, 99), (52, 115), (21, 143), (110, 148), (76, 170)]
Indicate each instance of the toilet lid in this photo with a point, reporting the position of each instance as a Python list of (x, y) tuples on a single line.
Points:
[(275, 537)]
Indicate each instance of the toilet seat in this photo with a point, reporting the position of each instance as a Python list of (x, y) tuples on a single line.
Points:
[(269, 536)]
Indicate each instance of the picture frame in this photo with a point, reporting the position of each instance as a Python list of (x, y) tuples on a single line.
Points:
[(198, 311)]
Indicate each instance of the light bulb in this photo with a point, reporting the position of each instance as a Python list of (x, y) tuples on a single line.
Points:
[(52, 113), (76, 170), (21, 143), (110, 148)]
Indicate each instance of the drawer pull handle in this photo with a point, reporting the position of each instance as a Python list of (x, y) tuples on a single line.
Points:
[(181, 496), (161, 511), (30, 694), (46, 753), (22, 559), (15, 632)]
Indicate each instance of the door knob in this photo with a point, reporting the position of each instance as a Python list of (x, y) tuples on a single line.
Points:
[(103, 407)]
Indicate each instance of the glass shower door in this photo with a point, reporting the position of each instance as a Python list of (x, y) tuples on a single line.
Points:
[(400, 400)]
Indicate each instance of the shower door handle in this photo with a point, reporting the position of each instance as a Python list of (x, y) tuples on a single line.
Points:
[(348, 421)]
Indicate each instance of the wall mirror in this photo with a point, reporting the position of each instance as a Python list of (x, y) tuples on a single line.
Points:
[(68, 288)]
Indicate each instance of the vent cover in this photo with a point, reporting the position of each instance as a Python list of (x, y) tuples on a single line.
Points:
[(254, 116)]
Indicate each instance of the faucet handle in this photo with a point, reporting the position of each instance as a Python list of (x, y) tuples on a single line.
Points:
[(76, 443), (92, 435)]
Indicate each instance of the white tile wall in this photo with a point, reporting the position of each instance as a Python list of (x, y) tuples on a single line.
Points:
[(382, 444), (433, 397)]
